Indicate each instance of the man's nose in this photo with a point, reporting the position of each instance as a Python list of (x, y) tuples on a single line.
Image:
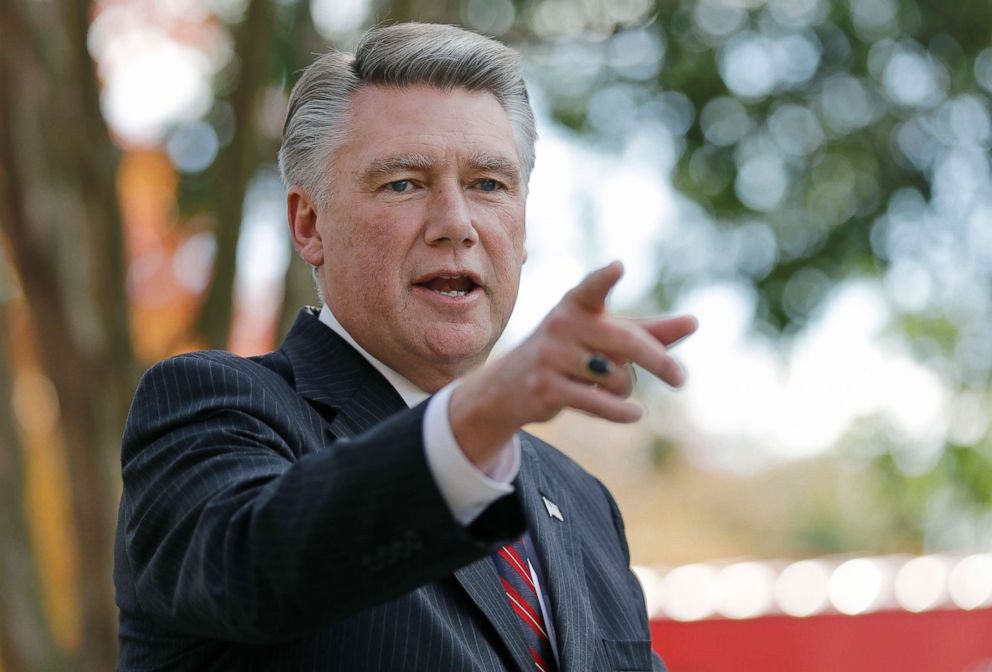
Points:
[(449, 219)]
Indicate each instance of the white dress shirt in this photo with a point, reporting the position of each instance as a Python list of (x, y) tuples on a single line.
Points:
[(466, 489)]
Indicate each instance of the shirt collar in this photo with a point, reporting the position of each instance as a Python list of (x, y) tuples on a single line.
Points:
[(410, 393)]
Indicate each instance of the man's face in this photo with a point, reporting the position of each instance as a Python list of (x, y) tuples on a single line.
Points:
[(422, 236)]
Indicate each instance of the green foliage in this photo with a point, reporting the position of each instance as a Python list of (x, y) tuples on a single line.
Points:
[(970, 469), (852, 134)]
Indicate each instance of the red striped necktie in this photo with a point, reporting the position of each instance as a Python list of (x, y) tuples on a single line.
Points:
[(514, 572)]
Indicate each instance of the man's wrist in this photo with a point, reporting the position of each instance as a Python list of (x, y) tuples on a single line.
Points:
[(466, 488), (477, 423)]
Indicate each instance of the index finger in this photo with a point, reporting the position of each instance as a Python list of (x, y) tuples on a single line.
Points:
[(669, 330), (626, 341), (591, 293)]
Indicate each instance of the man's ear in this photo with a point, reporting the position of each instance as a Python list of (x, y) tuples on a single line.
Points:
[(303, 226)]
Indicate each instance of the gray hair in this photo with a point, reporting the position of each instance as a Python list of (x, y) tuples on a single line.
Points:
[(405, 54)]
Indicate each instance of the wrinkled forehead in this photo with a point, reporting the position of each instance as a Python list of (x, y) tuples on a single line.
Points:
[(419, 127)]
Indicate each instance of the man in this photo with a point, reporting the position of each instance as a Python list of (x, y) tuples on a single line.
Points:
[(363, 498)]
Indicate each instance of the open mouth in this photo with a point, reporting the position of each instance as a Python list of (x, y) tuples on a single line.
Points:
[(449, 285)]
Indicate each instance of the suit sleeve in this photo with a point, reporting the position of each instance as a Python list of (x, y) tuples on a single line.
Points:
[(227, 532)]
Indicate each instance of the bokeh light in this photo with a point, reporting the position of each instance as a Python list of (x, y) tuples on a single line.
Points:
[(690, 592), (971, 582), (745, 589), (921, 583), (802, 589), (858, 585)]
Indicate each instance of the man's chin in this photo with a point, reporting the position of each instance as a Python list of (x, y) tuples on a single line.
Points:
[(460, 346)]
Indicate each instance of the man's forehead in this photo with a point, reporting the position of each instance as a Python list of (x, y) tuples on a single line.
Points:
[(422, 127)]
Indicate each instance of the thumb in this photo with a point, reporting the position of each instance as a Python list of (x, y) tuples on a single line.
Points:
[(591, 293)]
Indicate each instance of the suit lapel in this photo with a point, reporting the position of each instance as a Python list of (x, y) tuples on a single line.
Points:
[(560, 554), (336, 379), (481, 581)]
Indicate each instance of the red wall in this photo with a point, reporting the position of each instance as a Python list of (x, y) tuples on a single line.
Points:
[(936, 641)]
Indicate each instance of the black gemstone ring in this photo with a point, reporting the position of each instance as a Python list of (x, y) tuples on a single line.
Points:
[(597, 364)]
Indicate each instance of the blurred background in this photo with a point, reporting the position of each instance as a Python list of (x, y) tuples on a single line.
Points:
[(810, 178)]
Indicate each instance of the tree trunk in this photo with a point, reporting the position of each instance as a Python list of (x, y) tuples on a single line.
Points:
[(25, 641), (236, 164), (59, 213)]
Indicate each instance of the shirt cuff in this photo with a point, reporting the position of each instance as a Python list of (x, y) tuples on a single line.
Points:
[(467, 489)]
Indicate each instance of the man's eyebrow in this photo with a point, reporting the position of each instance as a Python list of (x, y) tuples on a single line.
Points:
[(492, 163), (397, 163)]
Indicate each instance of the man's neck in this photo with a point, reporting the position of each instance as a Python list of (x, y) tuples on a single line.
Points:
[(411, 393)]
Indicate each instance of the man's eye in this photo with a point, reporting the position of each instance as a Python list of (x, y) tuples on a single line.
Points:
[(400, 186), (488, 185)]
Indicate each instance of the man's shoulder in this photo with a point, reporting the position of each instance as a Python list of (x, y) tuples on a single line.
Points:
[(211, 380), (214, 388), (564, 467), (218, 367)]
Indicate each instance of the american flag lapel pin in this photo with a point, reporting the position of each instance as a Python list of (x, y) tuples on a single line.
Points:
[(553, 509)]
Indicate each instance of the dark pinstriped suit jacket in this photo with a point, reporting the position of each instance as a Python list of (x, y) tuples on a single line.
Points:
[(278, 514)]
